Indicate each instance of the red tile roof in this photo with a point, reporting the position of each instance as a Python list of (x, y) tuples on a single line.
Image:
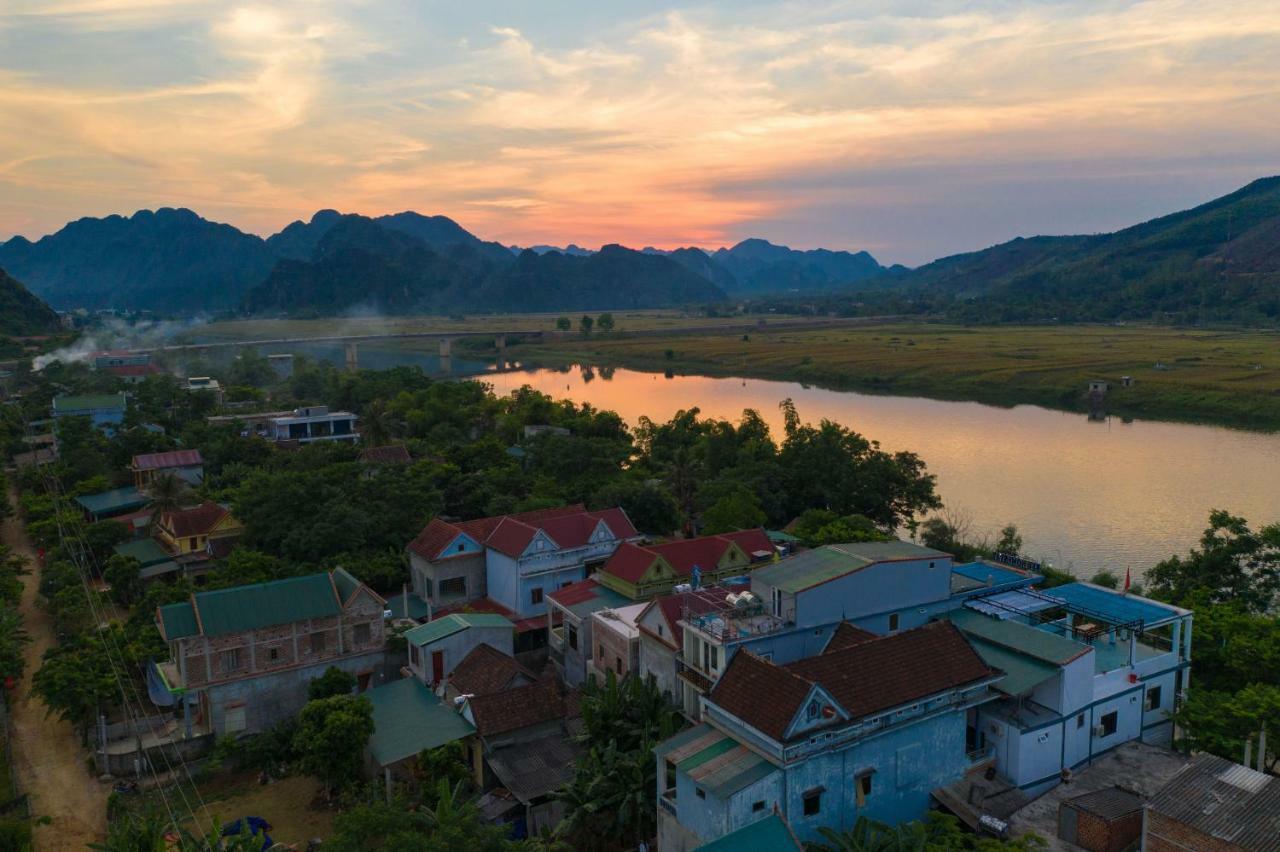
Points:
[(132, 370), (189, 522), (583, 590), (846, 636), (162, 461), (487, 670), (568, 526), (629, 562), (678, 606), (542, 701), (391, 454), (866, 678)]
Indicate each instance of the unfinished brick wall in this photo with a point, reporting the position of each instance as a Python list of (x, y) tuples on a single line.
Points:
[(1098, 835), (1167, 835)]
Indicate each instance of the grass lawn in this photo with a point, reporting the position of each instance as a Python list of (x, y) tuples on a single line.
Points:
[(1228, 377), (286, 804)]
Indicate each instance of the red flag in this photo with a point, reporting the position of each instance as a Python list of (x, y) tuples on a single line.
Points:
[(1126, 579)]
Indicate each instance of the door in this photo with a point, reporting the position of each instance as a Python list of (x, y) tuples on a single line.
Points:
[(437, 666), (233, 720)]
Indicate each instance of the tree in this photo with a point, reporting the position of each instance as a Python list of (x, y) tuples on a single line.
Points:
[(168, 493), (12, 639), (1010, 540), (605, 322), (333, 682), (331, 738), (937, 831), (375, 424), (651, 508), (1234, 564), (739, 510), (564, 324), (121, 574), (1221, 722), (77, 678), (1106, 579), (585, 324), (447, 763), (817, 527), (446, 822)]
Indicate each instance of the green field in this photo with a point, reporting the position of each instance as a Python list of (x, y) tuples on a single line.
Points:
[(1226, 377)]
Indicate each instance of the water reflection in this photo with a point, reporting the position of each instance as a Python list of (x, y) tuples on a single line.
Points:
[(1085, 494)]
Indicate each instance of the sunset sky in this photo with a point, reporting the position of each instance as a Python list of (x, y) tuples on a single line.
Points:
[(912, 129)]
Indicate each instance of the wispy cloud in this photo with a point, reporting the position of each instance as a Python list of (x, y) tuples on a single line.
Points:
[(700, 124)]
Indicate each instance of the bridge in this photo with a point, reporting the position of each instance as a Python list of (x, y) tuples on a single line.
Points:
[(353, 341)]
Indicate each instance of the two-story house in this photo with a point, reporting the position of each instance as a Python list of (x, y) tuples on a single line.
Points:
[(188, 531), (511, 563), (187, 465), (1087, 669), (313, 423), (641, 573), (241, 658), (868, 728)]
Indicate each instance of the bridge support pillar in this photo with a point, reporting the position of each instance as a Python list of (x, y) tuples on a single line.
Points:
[(446, 347), (353, 356)]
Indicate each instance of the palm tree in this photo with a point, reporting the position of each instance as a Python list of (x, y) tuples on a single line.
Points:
[(376, 425), (168, 493)]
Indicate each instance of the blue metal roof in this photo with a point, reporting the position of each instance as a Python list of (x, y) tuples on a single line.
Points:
[(998, 574), (1009, 604), (1113, 606)]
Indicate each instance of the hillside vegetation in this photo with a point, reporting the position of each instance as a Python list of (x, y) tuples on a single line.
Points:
[(21, 313)]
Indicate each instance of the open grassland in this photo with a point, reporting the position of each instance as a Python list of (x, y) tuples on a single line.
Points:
[(1228, 377), (292, 805), (626, 321)]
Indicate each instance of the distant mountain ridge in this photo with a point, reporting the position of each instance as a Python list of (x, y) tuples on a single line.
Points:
[(21, 313)]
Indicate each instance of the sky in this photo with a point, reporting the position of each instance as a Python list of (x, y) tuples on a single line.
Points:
[(911, 129)]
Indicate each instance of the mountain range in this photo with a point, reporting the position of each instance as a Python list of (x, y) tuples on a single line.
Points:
[(1217, 261), (175, 261)]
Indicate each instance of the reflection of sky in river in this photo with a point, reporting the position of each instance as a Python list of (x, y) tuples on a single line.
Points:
[(1091, 494)]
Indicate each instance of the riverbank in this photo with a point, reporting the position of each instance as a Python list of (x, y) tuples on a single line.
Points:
[(1229, 378)]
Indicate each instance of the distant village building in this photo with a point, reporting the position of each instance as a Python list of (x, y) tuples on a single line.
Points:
[(189, 531), (281, 364), (439, 645), (119, 358), (314, 423), (205, 384), (187, 465), (241, 658), (112, 504), (106, 411)]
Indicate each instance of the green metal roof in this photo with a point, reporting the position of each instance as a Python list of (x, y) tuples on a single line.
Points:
[(408, 718), (417, 606), (90, 402), (147, 551), (810, 568), (714, 750), (679, 741), (1021, 672), (434, 631), (768, 835), (1022, 638), (777, 536), (178, 621), (243, 608), (345, 583), (115, 501)]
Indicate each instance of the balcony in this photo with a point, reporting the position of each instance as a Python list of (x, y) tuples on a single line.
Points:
[(737, 623), (667, 801)]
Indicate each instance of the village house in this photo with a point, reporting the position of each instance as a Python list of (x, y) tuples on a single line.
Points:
[(187, 465), (113, 504), (661, 630), (106, 411), (188, 531), (313, 423), (205, 384), (408, 718), (439, 645), (617, 641), (869, 727), (509, 564), (639, 573), (484, 671), (241, 658)]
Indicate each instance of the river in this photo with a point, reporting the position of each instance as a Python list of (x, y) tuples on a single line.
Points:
[(1085, 494)]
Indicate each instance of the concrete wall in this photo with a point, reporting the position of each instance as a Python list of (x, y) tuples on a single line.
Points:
[(613, 650), (876, 590), (659, 660), (270, 698), (502, 579), (456, 646), (471, 568)]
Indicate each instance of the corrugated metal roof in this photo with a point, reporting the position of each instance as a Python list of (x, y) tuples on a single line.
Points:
[(146, 550), (243, 608), (1224, 800), (687, 743), (178, 621), (768, 835), (408, 718), (1109, 803), (115, 500), (1022, 673), (983, 572), (1027, 640), (172, 458), (728, 772), (809, 568), (433, 631), (533, 769), (1007, 604)]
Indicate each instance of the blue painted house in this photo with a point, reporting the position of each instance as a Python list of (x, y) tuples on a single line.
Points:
[(869, 727)]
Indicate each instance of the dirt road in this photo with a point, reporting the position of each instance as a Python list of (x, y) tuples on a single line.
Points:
[(51, 766)]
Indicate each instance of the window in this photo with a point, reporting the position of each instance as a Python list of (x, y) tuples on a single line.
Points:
[(415, 659), (617, 665), (1080, 721), (1153, 698), (863, 790), (573, 636), (812, 711), (317, 643), (812, 801), (273, 654), (461, 547), (231, 660), (535, 596), (1108, 725), (659, 629), (777, 603), (670, 775), (702, 794), (600, 652), (893, 622), (360, 633), (757, 807), (453, 586)]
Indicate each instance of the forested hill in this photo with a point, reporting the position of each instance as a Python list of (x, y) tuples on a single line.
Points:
[(21, 313), (1216, 262)]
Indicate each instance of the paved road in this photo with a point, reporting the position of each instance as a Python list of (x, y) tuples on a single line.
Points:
[(51, 766)]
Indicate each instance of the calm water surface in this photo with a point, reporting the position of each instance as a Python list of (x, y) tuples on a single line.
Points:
[(1086, 495)]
